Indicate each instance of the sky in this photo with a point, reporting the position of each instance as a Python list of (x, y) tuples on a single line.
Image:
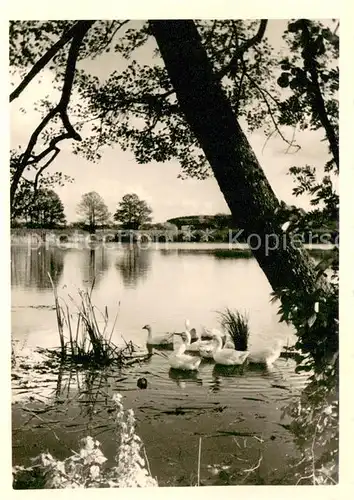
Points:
[(117, 173)]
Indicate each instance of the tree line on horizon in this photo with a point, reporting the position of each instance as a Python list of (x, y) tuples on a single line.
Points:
[(46, 211)]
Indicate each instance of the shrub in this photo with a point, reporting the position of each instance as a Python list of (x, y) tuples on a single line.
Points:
[(88, 468)]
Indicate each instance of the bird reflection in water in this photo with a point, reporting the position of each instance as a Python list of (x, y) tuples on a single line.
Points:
[(220, 372), (183, 377)]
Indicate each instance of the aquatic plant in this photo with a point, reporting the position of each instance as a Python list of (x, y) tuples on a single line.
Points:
[(88, 467), (236, 326), (86, 342)]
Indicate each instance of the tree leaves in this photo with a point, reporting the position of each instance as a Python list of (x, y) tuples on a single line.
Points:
[(93, 210), (132, 212)]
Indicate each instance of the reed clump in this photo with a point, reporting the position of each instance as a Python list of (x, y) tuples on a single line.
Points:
[(84, 333), (236, 326)]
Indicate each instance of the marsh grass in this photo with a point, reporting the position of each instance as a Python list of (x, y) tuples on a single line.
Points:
[(236, 326), (84, 334)]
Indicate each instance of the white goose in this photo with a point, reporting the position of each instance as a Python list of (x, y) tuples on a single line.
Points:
[(164, 340), (208, 334), (206, 350), (229, 343), (266, 355), (198, 343), (227, 357), (181, 361)]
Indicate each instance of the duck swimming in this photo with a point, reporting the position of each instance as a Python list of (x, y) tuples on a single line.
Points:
[(227, 357), (208, 334), (266, 355), (164, 340), (197, 344), (181, 361)]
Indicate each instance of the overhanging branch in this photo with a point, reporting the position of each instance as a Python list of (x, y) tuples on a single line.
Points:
[(257, 38), (61, 109), (309, 57), (43, 61)]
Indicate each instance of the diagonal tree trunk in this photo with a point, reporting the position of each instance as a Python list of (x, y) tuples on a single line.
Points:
[(241, 179)]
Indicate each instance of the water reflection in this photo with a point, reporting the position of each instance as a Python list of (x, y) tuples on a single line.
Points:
[(218, 253), (228, 371), (30, 267), (181, 377), (133, 265), (96, 263)]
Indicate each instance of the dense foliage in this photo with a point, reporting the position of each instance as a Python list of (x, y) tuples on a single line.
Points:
[(93, 211), (132, 212), (35, 203)]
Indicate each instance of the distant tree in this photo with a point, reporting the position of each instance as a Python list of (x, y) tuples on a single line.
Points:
[(46, 210), (31, 194), (132, 212), (93, 211)]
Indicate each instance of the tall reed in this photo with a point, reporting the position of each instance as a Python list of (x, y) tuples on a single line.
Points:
[(236, 326), (85, 340)]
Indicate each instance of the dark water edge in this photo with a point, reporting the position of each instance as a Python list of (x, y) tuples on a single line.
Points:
[(237, 426)]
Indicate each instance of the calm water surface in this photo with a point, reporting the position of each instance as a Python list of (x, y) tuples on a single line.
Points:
[(237, 413)]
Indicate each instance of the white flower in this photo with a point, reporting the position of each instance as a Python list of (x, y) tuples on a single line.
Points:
[(316, 307), (117, 398), (88, 443), (60, 467), (47, 459), (94, 471), (328, 410)]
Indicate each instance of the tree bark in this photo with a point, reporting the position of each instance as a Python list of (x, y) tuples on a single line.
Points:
[(240, 177)]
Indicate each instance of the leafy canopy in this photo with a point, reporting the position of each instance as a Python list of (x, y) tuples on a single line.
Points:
[(132, 212), (93, 210)]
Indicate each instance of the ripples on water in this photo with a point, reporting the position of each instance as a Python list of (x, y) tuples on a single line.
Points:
[(161, 288)]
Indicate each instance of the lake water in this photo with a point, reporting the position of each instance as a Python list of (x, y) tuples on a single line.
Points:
[(238, 414)]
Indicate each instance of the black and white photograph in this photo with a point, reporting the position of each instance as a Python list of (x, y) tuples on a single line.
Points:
[(174, 233)]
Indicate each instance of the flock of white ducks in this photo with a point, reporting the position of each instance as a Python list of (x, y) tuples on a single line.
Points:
[(211, 344)]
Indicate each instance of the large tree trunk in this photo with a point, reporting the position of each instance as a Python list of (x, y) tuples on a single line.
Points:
[(241, 179)]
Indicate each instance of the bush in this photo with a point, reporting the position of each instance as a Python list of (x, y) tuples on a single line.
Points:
[(87, 468)]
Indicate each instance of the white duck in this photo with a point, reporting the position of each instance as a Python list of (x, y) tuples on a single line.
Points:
[(164, 340), (266, 355), (229, 343), (208, 334), (197, 343), (181, 361), (206, 350), (227, 357)]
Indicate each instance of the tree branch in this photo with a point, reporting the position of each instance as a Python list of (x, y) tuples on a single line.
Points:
[(309, 57), (257, 38), (43, 61), (60, 108), (41, 170), (276, 126)]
